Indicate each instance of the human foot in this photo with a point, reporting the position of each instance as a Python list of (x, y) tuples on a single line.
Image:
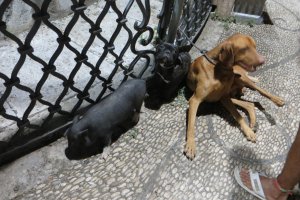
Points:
[(269, 190)]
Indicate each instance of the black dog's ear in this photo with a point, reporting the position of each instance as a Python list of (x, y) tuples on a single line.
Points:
[(184, 58), (179, 59), (185, 48), (81, 134), (226, 55)]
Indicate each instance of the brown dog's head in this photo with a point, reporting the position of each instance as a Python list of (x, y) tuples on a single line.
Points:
[(240, 49)]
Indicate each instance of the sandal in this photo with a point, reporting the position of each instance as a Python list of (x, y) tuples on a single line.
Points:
[(257, 189)]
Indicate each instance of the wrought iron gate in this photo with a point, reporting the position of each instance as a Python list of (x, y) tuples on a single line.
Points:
[(195, 13), (183, 20)]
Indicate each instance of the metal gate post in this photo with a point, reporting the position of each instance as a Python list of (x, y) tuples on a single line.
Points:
[(164, 18), (178, 7)]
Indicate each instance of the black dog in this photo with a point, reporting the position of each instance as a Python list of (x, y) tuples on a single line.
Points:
[(171, 67), (104, 122)]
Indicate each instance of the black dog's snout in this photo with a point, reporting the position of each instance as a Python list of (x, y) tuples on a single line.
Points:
[(165, 59)]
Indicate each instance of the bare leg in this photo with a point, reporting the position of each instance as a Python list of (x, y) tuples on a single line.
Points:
[(290, 174), (288, 178)]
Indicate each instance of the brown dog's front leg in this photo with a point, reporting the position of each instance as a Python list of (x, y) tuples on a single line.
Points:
[(226, 101), (190, 147), (249, 107), (275, 99)]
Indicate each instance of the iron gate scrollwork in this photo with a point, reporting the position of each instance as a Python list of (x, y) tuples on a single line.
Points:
[(41, 17)]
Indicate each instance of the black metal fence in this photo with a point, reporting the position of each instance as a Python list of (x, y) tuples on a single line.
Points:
[(183, 20), (194, 16)]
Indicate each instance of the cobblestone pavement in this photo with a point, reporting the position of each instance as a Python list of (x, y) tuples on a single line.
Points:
[(148, 162)]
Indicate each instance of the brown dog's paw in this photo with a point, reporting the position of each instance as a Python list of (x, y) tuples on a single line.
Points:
[(278, 101), (252, 138), (190, 150), (250, 135)]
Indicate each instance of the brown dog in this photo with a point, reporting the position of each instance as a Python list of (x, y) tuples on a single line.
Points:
[(211, 78)]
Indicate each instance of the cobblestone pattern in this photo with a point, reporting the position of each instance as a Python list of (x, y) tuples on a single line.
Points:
[(148, 163)]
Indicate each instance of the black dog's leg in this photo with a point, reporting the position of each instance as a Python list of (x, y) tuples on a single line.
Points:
[(136, 117), (106, 148), (153, 86), (132, 120)]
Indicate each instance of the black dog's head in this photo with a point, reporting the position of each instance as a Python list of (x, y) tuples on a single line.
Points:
[(166, 54), (79, 145)]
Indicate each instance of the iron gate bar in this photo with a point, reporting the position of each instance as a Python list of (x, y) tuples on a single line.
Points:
[(164, 18), (172, 32), (194, 16)]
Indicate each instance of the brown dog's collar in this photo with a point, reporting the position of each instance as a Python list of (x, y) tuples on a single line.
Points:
[(209, 59)]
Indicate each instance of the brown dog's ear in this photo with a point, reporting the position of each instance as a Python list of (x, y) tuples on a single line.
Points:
[(226, 55)]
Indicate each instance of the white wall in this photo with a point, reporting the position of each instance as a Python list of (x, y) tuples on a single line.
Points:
[(18, 15)]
